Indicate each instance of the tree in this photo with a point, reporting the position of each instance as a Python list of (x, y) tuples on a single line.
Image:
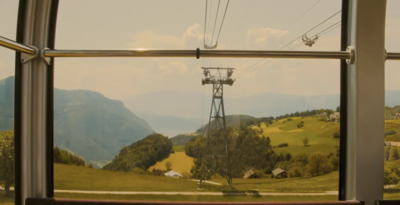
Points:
[(141, 155), (65, 157), (300, 125), (318, 164), (168, 165), (7, 159), (390, 177), (246, 148), (305, 141), (394, 154)]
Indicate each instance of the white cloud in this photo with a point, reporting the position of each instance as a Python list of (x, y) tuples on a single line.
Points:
[(190, 39), (173, 67), (193, 36), (260, 37), (149, 39)]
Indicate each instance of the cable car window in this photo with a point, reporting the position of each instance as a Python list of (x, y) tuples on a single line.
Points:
[(208, 129), (8, 13), (392, 120)]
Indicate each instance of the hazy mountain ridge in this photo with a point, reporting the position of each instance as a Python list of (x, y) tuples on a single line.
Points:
[(171, 125), (101, 126), (192, 106), (7, 104), (95, 127), (85, 122)]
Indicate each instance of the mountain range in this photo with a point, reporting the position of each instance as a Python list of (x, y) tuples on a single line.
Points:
[(96, 128), (85, 122), (174, 112)]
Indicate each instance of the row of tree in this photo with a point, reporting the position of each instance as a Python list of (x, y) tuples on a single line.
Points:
[(238, 149), (391, 171), (248, 149), (7, 159), (65, 157)]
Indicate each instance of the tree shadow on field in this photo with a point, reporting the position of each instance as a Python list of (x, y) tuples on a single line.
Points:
[(252, 193)]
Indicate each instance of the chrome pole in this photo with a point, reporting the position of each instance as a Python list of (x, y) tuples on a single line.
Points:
[(199, 53), (7, 43), (393, 56)]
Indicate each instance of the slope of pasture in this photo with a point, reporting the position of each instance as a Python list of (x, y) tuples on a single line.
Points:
[(70, 177), (319, 134), (324, 183), (392, 129), (180, 162)]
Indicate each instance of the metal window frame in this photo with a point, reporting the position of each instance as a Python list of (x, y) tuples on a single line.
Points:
[(361, 80)]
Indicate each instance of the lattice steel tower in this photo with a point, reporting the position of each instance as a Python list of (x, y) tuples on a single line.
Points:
[(218, 77)]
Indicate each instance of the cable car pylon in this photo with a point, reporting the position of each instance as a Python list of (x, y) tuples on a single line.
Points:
[(217, 77)]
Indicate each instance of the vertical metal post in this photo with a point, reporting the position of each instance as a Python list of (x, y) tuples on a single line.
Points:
[(365, 100), (33, 99)]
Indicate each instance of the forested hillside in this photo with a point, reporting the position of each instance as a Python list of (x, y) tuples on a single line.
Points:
[(85, 122), (141, 155), (94, 126)]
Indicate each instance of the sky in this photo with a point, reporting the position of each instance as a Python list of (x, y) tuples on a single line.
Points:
[(181, 24)]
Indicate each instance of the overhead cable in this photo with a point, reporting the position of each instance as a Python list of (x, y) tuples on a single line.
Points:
[(211, 45)]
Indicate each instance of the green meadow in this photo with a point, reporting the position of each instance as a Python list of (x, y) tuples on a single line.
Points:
[(392, 126), (70, 177), (180, 162), (319, 134), (321, 138)]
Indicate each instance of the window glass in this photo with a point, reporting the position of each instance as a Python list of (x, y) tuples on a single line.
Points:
[(392, 120), (133, 128), (8, 21)]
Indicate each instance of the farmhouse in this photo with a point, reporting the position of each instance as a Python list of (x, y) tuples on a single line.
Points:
[(279, 173), (173, 174), (250, 174)]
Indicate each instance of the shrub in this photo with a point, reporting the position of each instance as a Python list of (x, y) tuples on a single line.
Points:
[(390, 177), (296, 172), (65, 157), (157, 172), (336, 135), (300, 125), (305, 141), (285, 144), (391, 132), (318, 164)]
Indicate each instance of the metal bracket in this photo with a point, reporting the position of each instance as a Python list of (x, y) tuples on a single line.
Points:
[(47, 60), (27, 57), (352, 52)]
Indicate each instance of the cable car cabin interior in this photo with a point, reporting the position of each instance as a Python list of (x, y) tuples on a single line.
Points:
[(361, 55)]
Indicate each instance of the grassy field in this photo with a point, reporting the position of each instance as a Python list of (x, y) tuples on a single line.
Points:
[(72, 177), (328, 182), (6, 200), (319, 134), (392, 125), (181, 163), (69, 177), (201, 198)]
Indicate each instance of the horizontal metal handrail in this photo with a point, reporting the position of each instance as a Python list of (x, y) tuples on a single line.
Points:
[(47, 53), (5, 42), (393, 56), (199, 53)]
